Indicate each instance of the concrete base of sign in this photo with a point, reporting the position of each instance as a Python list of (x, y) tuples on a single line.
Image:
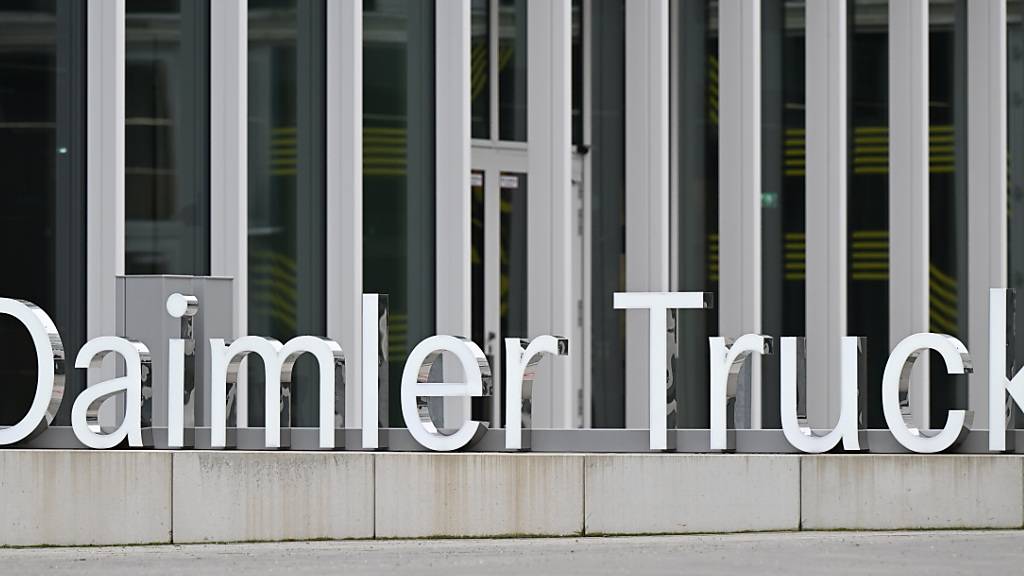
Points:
[(680, 493), (62, 497), (233, 496), (426, 495), (881, 492)]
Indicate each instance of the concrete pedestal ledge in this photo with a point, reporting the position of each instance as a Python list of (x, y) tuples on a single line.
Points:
[(685, 493), (63, 498), (887, 492), (478, 494), (245, 496), (82, 497)]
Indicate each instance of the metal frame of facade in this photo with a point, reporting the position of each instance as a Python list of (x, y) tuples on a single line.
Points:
[(826, 230), (908, 187), (987, 184), (647, 185), (345, 192), (548, 154)]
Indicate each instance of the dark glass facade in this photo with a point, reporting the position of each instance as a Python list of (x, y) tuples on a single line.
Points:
[(167, 137), (42, 157), (287, 189), (398, 172)]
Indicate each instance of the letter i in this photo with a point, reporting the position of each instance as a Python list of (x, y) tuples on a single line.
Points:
[(184, 307)]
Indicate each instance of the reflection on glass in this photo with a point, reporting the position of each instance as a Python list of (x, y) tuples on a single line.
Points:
[(868, 190), (512, 70), (783, 174), (42, 226), (167, 137), (287, 198), (698, 200), (477, 256), (947, 168), (398, 172), (607, 216), (512, 279), (577, 72), (479, 65), (1015, 169)]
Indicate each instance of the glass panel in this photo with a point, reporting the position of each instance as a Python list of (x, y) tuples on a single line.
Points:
[(868, 190), (947, 155), (577, 72), (479, 253), (398, 172), (607, 217), (480, 62), (167, 135), (698, 199), (783, 175), (42, 225), (513, 269), (1015, 165), (287, 199), (512, 70)]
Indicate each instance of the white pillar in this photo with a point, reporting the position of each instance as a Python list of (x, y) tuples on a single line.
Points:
[(739, 201), (647, 186), (987, 183), (105, 165), (908, 186), (825, 207), (549, 245), (345, 194), (229, 145), (453, 209)]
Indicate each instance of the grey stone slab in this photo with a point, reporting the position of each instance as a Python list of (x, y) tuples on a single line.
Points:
[(683, 493), (243, 496), (430, 495), (63, 497), (883, 492)]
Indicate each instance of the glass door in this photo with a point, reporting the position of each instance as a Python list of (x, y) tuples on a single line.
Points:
[(499, 266)]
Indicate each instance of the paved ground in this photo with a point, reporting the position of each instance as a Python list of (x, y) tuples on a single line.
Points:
[(835, 553)]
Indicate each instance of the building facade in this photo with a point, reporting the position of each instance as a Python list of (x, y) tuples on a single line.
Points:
[(500, 168)]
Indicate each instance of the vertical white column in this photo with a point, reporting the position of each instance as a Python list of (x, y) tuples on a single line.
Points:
[(454, 233), (987, 183), (908, 186), (739, 201), (825, 207), (229, 169), (549, 245), (345, 193), (105, 168), (229, 234), (647, 187)]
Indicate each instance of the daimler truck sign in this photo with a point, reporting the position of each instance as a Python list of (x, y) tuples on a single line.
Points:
[(278, 360)]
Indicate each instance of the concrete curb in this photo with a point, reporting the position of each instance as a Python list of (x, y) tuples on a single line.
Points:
[(68, 497)]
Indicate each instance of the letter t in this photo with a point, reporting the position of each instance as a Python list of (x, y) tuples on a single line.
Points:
[(659, 303)]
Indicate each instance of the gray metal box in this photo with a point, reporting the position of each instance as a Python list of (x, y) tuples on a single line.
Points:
[(142, 315)]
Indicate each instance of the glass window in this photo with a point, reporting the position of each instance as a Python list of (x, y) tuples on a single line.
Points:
[(697, 252), (577, 72), (608, 225), (1015, 169), (868, 190), (167, 137), (783, 175), (512, 70), (42, 157), (479, 67), (398, 172), (478, 254), (287, 191)]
